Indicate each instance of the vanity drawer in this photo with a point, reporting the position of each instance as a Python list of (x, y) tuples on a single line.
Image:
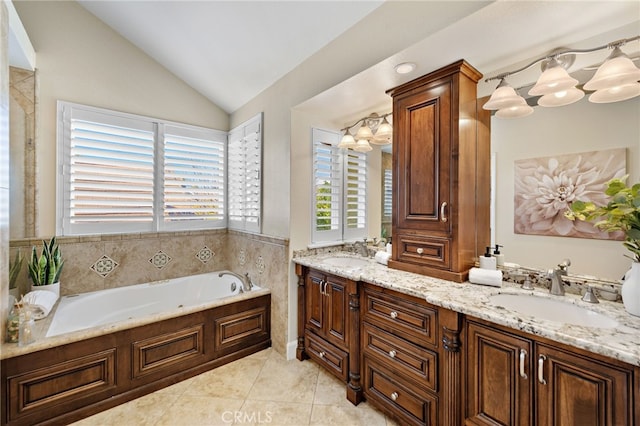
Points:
[(408, 404), (402, 316), (329, 356), (400, 355), (435, 252)]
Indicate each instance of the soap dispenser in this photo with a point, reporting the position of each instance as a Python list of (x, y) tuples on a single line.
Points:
[(487, 261), (499, 256)]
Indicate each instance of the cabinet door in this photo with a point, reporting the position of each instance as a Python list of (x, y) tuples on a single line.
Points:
[(498, 378), (575, 390), (422, 155), (314, 302), (337, 310)]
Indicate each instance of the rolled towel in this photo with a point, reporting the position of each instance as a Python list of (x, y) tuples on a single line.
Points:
[(485, 277), (41, 302), (382, 257)]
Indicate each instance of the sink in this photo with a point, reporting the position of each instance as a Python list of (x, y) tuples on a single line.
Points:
[(552, 310), (346, 262)]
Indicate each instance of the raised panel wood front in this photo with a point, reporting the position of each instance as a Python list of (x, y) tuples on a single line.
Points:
[(582, 391), (496, 392), (241, 329), (314, 301), (337, 311), (331, 357), (434, 252)]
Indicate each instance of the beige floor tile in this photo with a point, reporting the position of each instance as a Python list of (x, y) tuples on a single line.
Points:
[(189, 410), (178, 388), (274, 413), (146, 410), (263, 354), (282, 380), (343, 415), (232, 380), (330, 390)]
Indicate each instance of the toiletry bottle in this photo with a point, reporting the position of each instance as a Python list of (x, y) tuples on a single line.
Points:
[(27, 327), (499, 256), (13, 324), (487, 261)]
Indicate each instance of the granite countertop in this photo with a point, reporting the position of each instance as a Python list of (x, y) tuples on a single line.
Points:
[(9, 350), (621, 342)]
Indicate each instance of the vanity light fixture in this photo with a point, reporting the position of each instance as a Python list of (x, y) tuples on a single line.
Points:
[(375, 129), (615, 80)]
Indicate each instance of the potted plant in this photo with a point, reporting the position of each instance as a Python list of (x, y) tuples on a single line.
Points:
[(45, 270), (14, 270), (622, 213)]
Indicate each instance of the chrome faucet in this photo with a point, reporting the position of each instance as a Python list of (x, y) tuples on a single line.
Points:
[(556, 274), (362, 248), (246, 281)]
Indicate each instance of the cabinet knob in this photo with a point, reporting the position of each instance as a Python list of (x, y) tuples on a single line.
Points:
[(394, 396), (322, 354), (392, 353), (393, 314), (420, 250)]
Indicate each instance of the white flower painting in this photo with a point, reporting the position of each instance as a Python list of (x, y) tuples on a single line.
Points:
[(544, 188)]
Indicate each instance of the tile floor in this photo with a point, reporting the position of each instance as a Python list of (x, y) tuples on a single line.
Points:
[(261, 389)]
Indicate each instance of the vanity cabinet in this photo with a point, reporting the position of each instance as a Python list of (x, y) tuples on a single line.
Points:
[(512, 378), (410, 358), (328, 325), (441, 173)]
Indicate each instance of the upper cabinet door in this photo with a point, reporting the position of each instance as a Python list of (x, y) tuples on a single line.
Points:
[(422, 150)]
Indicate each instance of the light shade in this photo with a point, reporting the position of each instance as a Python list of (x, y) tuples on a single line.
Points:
[(504, 96), (617, 70), (515, 111), (554, 79), (383, 133), (615, 94), (563, 97), (347, 140), (362, 146), (364, 132)]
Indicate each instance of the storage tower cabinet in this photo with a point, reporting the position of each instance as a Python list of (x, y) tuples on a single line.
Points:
[(441, 173)]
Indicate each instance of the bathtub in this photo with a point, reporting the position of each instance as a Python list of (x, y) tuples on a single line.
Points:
[(97, 308)]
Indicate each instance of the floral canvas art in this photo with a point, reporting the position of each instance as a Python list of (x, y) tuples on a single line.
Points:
[(546, 186)]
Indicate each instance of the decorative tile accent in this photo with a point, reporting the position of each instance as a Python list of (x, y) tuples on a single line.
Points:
[(205, 254), (260, 264), (242, 257), (104, 266), (160, 259)]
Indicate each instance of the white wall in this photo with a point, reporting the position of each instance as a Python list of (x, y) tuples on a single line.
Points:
[(82, 60), (580, 127)]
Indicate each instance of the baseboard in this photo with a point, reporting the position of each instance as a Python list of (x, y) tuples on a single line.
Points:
[(291, 349)]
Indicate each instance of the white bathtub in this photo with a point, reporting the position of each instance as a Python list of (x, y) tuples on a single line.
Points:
[(102, 307)]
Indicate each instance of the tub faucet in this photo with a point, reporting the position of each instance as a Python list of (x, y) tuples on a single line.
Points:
[(245, 280), (556, 274)]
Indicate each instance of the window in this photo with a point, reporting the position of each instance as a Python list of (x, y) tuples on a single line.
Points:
[(245, 169), (127, 173), (339, 190)]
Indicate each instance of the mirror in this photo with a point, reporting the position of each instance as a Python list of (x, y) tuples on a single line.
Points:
[(22, 150)]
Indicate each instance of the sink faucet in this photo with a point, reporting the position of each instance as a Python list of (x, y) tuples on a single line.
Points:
[(556, 274), (362, 248), (246, 281)]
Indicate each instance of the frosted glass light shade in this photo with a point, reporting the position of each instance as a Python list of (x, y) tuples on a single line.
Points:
[(515, 111), (364, 132), (504, 96), (615, 94), (554, 79), (384, 130), (617, 70), (347, 140), (362, 146), (563, 97)]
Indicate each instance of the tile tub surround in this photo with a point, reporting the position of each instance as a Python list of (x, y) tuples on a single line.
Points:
[(100, 262), (622, 342)]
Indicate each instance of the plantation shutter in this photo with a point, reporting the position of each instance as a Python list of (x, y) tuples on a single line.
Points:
[(245, 175), (387, 196), (108, 172), (355, 204), (327, 187), (193, 188)]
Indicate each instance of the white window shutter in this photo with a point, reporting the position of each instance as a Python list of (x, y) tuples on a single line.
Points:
[(355, 190), (327, 187)]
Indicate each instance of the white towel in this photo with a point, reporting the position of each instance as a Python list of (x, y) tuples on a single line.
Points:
[(41, 302), (382, 257), (485, 277)]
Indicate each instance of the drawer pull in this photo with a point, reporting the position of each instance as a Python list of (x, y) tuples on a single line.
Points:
[(394, 396), (392, 353), (523, 355), (322, 354), (420, 250), (443, 206), (541, 360), (393, 314)]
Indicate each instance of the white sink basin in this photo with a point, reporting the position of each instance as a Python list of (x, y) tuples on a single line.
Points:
[(552, 310), (345, 262)]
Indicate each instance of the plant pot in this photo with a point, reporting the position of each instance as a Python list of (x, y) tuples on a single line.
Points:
[(55, 288), (631, 290)]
